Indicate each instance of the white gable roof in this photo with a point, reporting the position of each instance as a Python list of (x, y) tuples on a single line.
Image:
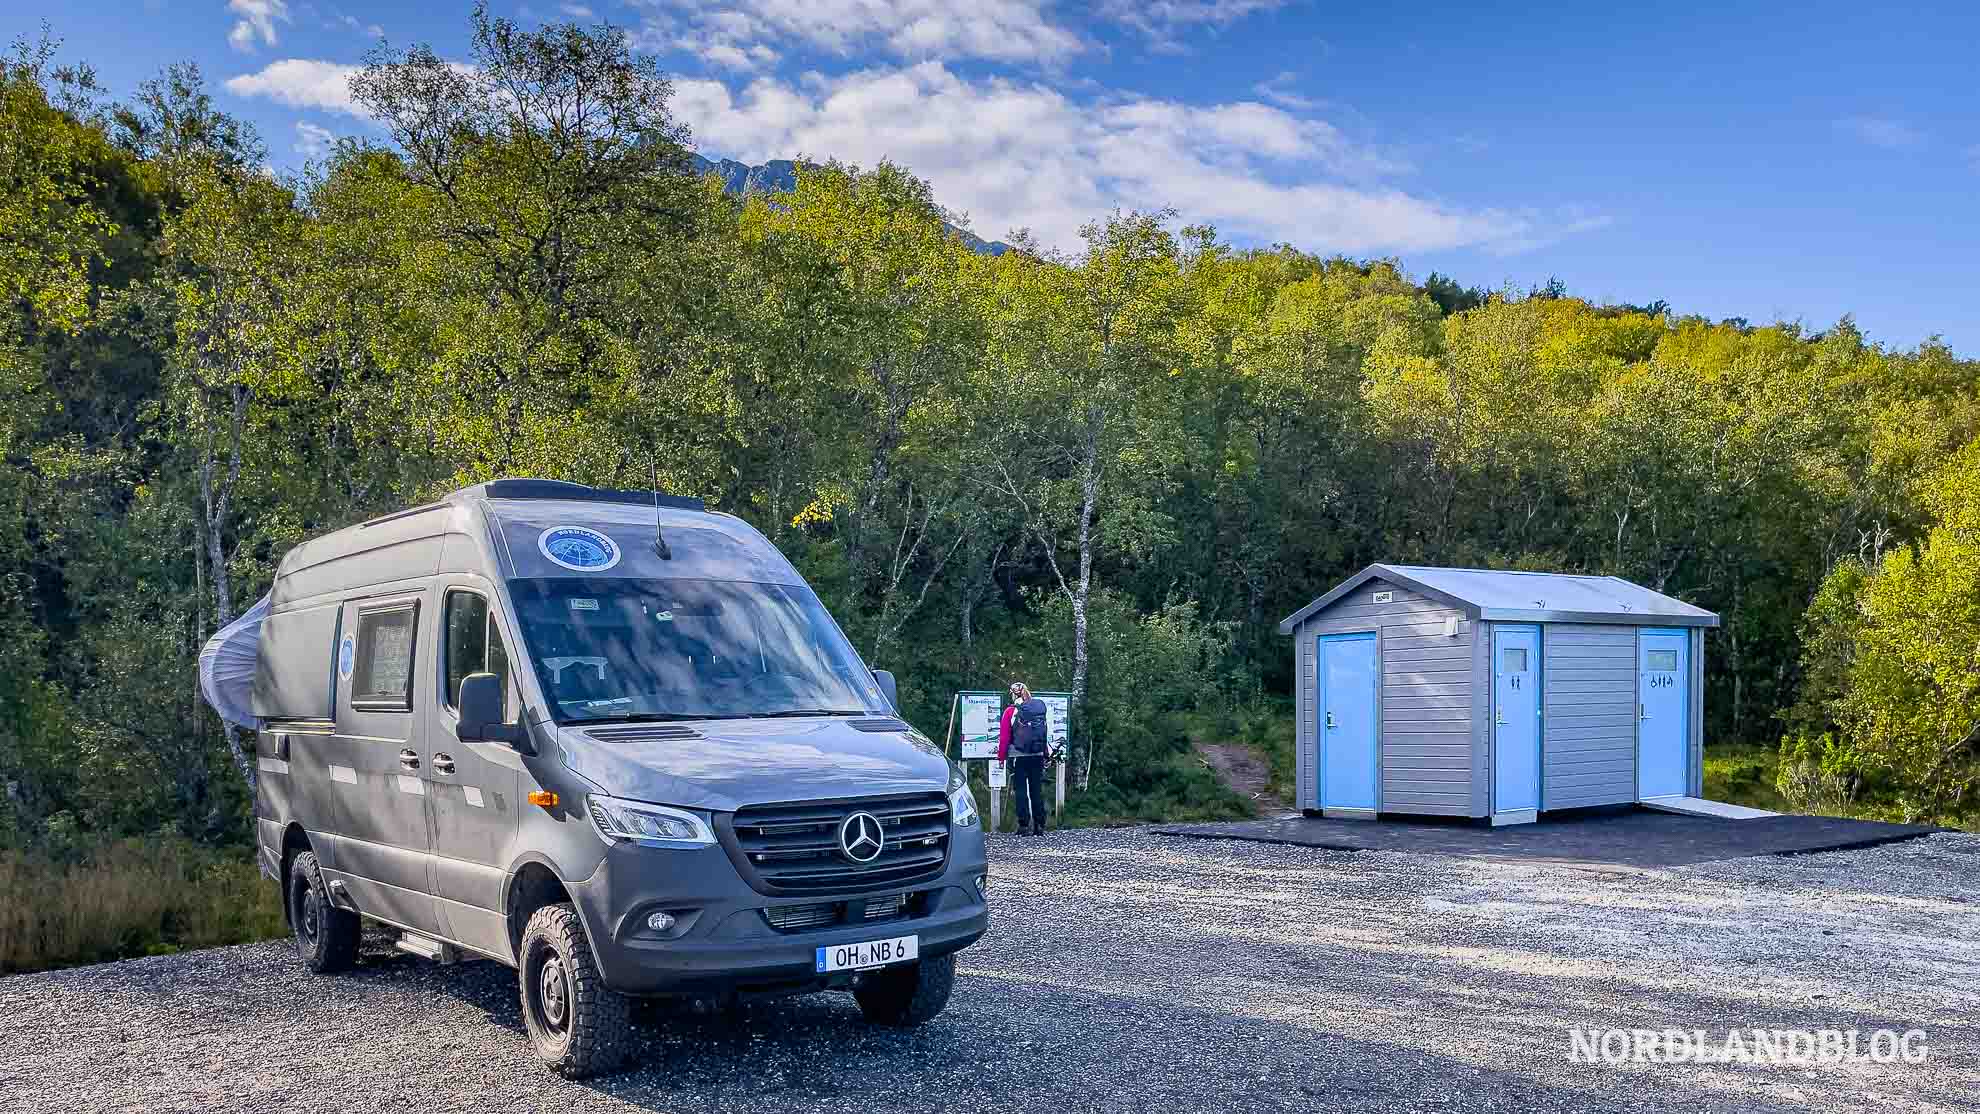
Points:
[(1529, 597)]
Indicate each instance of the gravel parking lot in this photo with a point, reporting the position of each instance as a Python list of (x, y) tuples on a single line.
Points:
[(1131, 971)]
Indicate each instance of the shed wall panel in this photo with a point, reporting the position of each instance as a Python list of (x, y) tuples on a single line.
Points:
[(1427, 705), (1589, 742), (1305, 685)]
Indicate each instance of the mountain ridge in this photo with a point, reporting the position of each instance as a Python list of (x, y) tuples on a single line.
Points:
[(780, 176)]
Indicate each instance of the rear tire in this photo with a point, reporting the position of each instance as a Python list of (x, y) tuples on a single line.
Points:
[(326, 936), (577, 1026), (908, 995)]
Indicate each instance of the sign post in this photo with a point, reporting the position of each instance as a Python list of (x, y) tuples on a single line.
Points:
[(979, 712)]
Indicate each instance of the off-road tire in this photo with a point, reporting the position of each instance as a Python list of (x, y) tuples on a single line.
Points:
[(907, 995), (577, 1026), (326, 936)]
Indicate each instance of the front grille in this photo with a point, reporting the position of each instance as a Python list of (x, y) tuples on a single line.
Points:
[(794, 848), (886, 908), (802, 918), (793, 918)]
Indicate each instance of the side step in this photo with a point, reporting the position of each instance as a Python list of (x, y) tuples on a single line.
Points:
[(1699, 806), (427, 948)]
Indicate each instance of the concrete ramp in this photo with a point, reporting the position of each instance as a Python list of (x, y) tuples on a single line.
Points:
[(1699, 806)]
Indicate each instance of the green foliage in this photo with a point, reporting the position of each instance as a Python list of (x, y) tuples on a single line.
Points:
[(1110, 471), (1893, 658), (81, 903)]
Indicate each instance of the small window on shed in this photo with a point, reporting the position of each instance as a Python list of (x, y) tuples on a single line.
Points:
[(1512, 659), (382, 677), (1662, 661)]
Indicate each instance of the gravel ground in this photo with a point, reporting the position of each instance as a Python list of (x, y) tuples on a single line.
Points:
[(1131, 971)]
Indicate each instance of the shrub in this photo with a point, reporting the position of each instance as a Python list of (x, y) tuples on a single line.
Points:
[(128, 898)]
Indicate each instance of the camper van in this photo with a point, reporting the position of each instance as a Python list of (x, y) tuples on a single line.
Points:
[(609, 739)]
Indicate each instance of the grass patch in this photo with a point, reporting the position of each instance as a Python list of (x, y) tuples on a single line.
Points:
[(1743, 774), (129, 898)]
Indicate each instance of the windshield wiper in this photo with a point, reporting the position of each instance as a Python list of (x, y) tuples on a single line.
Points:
[(809, 712)]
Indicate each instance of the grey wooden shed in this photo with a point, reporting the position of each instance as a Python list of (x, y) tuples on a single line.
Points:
[(1469, 692)]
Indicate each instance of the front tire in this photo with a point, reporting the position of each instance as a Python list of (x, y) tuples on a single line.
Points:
[(577, 1026), (908, 995), (326, 936)]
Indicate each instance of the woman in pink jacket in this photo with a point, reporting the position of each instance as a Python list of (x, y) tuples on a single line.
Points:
[(1023, 725)]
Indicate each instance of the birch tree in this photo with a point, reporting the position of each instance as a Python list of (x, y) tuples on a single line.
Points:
[(225, 250), (1080, 348)]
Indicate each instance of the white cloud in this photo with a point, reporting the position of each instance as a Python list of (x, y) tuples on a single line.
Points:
[(997, 30), (576, 11), (313, 141), (1015, 154), (256, 23), (352, 23), (1279, 90), (1165, 21), (301, 83), (1881, 131)]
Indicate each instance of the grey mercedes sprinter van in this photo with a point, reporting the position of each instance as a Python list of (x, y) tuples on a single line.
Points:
[(614, 741)]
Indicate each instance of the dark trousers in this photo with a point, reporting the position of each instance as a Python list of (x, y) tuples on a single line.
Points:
[(1028, 780)]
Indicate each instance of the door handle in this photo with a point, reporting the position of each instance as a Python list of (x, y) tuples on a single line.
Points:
[(1330, 721), (1642, 711), (443, 763), (409, 759), (1502, 717)]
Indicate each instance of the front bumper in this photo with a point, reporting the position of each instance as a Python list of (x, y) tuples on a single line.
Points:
[(723, 944)]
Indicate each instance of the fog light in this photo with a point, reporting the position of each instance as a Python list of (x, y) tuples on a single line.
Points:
[(660, 922), (983, 884)]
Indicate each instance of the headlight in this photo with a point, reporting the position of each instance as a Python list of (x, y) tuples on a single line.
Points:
[(962, 803), (636, 820)]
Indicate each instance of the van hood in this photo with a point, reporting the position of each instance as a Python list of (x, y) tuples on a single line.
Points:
[(730, 764)]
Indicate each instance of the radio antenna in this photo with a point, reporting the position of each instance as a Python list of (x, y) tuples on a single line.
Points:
[(659, 539)]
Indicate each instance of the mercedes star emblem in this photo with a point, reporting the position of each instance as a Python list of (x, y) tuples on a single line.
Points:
[(861, 838)]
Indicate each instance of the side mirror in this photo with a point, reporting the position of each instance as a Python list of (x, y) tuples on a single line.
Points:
[(888, 688), (481, 713)]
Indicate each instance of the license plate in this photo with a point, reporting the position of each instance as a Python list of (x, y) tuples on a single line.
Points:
[(869, 953)]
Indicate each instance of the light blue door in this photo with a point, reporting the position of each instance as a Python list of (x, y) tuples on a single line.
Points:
[(1516, 718), (1347, 721), (1663, 687)]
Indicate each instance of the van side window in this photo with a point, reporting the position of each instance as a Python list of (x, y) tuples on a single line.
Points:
[(381, 679), (474, 644)]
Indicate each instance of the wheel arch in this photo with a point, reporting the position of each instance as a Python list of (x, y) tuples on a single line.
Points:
[(533, 883), (294, 842)]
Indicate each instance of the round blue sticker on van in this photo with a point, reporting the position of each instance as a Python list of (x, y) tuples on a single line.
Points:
[(578, 548), (346, 656)]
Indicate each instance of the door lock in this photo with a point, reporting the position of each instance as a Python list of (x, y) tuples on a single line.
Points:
[(1330, 721), (409, 759), (443, 763)]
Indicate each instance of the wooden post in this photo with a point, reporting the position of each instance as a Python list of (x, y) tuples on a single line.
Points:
[(1058, 790), (996, 808)]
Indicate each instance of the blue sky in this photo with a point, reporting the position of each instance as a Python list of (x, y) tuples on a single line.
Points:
[(1733, 159)]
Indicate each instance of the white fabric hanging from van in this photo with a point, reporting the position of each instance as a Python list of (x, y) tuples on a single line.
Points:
[(226, 667)]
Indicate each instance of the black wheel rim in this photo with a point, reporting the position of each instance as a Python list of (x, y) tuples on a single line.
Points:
[(551, 989), (309, 921)]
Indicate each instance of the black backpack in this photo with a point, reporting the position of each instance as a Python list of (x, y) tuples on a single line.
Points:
[(1028, 728)]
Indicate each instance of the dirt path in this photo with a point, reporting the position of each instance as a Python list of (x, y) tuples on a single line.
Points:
[(1247, 774)]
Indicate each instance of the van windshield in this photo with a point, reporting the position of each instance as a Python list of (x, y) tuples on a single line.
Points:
[(630, 649)]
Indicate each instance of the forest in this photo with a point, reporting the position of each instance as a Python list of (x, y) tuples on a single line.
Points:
[(1108, 470)]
